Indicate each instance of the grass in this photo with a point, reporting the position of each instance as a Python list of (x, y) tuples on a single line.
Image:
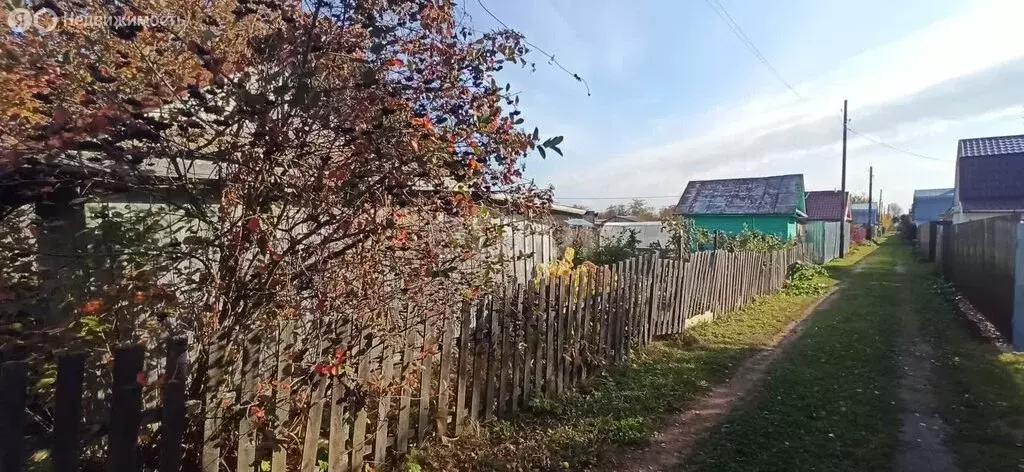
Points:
[(582, 431), (829, 403), (980, 391)]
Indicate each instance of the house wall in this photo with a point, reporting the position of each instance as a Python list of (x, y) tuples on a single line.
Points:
[(648, 232), (780, 225)]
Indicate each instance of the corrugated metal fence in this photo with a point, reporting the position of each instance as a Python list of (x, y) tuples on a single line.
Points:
[(823, 238)]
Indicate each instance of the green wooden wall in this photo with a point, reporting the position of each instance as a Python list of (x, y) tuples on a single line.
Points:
[(782, 226)]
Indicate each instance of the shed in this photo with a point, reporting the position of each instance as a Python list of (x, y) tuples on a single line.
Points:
[(771, 205), (931, 204), (861, 214), (828, 218)]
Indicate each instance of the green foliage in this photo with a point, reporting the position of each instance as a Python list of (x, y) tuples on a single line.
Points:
[(804, 279), (611, 250)]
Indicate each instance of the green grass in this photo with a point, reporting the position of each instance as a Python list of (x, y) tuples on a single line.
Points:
[(829, 403), (980, 391), (582, 431)]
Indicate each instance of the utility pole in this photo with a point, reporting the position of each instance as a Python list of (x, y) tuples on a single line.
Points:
[(881, 206), (846, 201), (871, 224)]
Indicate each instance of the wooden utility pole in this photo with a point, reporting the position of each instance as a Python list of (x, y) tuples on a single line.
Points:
[(881, 206), (871, 224), (842, 232)]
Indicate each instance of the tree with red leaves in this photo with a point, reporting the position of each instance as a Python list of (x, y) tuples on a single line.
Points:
[(323, 165)]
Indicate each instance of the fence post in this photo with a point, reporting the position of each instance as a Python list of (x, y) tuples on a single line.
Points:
[(1017, 323), (933, 229)]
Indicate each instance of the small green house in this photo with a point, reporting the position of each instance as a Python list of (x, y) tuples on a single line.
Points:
[(771, 205)]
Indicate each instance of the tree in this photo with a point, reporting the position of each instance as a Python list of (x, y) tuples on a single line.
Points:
[(637, 207), (894, 209), (858, 198), (667, 212), (336, 134), (616, 210)]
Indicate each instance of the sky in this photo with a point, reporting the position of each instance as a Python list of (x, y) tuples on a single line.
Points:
[(677, 96)]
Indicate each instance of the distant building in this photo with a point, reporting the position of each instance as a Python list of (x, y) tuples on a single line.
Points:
[(862, 216), (828, 205), (931, 204), (989, 177), (771, 205)]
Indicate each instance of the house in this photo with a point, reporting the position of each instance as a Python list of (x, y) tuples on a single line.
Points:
[(771, 205), (828, 223), (861, 215), (828, 205), (989, 177), (931, 204), (648, 233)]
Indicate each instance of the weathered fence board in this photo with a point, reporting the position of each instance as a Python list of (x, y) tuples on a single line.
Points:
[(480, 361)]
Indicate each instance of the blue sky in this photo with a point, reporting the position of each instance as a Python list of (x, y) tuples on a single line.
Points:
[(676, 95)]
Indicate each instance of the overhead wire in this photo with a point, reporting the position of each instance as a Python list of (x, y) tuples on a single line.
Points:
[(723, 13)]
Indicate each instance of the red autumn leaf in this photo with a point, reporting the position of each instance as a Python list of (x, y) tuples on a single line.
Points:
[(253, 224), (140, 379), (396, 62)]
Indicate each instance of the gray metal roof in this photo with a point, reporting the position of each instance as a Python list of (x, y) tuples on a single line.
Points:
[(993, 146), (933, 192), (775, 195)]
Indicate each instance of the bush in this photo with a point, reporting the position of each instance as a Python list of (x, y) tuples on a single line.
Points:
[(805, 279)]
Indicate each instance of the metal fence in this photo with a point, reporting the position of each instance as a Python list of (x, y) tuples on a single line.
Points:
[(984, 259), (823, 239)]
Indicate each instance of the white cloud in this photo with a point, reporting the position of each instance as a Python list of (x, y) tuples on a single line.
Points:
[(958, 77)]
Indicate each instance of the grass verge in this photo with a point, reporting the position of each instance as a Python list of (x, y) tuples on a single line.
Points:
[(979, 390), (580, 431), (830, 402)]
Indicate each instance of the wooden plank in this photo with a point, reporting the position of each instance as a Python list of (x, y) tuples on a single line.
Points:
[(13, 395), (67, 418), (463, 371), (529, 340), (380, 443), (246, 445), (479, 368), (216, 366), (337, 442), (430, 338), (600, 315), (282, 400), (359, 426), (508, 324), (444, 376), (125, 410), (617, 334), (402, 429), (516, 342), (311, 438), (586, 328), (579, 325), (561, 313), (498, 309), (172, 423), (551, 319), (682, 297)]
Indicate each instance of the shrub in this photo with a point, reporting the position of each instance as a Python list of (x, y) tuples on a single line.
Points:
[(805, 279)]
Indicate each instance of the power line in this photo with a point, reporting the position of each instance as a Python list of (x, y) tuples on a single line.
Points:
[(723, 13), (894, 148), (551, 57)]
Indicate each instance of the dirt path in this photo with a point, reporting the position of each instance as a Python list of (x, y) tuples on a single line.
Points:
[(674, 443), (922, 448)]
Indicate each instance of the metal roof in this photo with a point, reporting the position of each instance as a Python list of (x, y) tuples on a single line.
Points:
[(990, 173), (992, 146), (775, 195), (826, 205)]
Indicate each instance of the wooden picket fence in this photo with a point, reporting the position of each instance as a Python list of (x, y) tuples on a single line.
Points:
[(484, 362)]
